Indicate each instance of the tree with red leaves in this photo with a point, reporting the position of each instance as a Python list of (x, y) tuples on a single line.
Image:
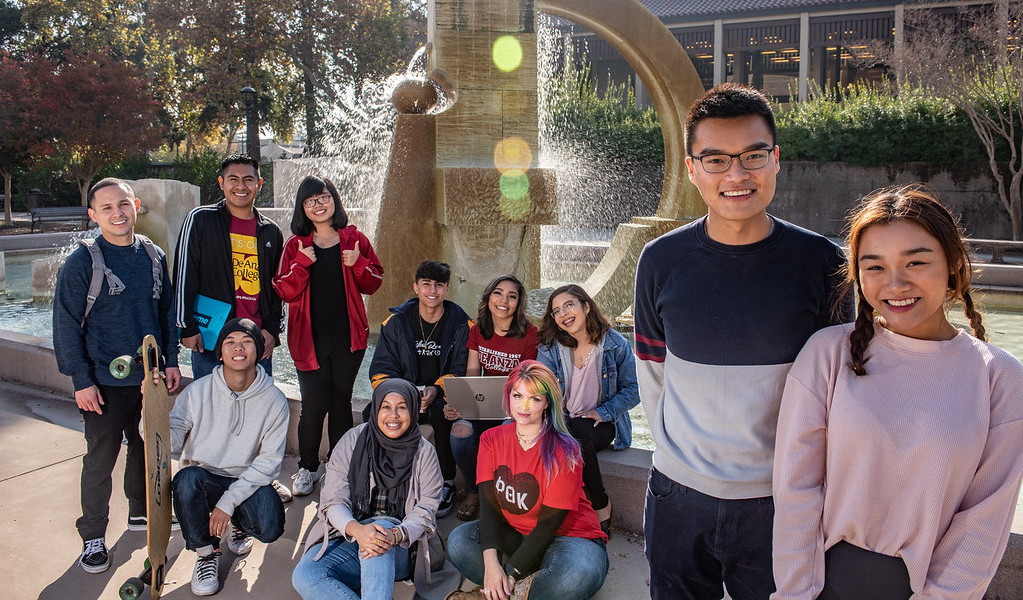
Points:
[(92, 111), (17, 133)]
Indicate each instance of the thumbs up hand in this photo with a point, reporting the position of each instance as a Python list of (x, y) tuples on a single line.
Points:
[(350, 256), (307, 250)]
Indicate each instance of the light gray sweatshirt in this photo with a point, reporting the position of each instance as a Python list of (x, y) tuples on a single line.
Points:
[(234, 434)]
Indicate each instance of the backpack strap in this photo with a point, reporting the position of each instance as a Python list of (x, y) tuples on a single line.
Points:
[(99, 273), (154, 256)]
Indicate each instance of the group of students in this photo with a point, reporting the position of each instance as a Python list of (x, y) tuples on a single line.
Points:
[(821, 429)]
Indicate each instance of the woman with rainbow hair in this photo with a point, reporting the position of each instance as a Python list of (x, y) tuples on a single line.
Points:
[(537, 536)]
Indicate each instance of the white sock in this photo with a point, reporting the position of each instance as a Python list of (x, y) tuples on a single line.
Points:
[(204, 551)]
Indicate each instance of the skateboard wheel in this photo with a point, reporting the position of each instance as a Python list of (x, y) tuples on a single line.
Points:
[(132, 589), (120, 367)]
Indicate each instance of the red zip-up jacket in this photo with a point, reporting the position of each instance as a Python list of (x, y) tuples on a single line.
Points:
[(292, 285)]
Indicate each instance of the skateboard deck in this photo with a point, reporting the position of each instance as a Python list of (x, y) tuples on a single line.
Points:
[(155, 415)]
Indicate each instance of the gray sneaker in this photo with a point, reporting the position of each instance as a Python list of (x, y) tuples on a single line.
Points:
[(240, 543), (206, 576), (282, 491), (305, 480)]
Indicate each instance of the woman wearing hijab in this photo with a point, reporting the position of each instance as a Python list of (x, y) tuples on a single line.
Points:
[(378, 506)]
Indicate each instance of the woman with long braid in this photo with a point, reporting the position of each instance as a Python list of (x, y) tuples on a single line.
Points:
[(900, 440)]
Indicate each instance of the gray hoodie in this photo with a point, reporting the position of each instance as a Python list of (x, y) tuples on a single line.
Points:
[(234, 434)]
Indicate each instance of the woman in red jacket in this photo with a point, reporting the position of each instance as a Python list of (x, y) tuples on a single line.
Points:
[(325, 260)]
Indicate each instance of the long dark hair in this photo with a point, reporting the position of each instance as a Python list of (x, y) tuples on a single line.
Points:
[(519, 322), (596, 323), (314, 186), (916, 204)]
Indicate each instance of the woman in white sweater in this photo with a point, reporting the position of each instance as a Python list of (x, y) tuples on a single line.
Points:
[(900, 439), (378, 509)]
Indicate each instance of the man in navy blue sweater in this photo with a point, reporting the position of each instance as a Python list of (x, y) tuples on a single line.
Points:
[(723, 305), (111, 406)]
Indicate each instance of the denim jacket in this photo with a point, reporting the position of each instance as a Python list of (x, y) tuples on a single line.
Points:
[(619, 390)]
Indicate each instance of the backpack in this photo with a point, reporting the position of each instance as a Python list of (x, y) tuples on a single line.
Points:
[(100, 271)]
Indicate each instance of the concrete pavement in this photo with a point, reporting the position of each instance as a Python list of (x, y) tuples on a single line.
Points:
[(42, 444)]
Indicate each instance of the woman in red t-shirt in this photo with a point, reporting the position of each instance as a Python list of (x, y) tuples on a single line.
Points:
[(501, 338), (537, 534)]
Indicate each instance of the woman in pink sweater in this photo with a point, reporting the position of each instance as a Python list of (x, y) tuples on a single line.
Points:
[(900, 439)]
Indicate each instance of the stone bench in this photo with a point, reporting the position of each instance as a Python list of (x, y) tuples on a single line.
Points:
[(997, 248)]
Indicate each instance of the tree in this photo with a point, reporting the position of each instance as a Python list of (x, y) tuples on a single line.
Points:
[(17, 115), (298, 54), (972, 57), (94, 111)]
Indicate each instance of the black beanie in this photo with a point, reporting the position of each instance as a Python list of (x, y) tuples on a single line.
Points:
[(246, 326)]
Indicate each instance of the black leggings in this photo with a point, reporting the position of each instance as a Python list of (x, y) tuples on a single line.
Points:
[(326, 393), (852, 573), (592, 440)]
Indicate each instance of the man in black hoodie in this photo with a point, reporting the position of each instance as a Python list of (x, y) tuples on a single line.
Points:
[(423, 341)]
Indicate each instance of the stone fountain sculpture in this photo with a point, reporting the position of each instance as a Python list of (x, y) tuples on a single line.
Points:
[(463, 185)]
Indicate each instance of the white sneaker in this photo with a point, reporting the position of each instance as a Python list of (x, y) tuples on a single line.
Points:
[(304, 482), (240, 543), (282, 491), (205, 577)]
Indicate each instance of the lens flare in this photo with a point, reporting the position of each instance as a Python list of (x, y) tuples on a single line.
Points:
[(507, 53), (512, 153), (514, 184)]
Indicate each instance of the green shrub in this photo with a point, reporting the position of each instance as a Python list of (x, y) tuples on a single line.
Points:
[(605, 125), (868, 126)]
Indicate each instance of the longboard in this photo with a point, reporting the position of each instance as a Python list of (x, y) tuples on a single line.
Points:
[(156, 420)]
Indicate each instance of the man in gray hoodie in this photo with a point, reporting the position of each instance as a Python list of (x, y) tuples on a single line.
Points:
[(230, 427)]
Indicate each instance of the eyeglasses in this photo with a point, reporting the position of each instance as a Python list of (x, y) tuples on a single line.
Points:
[(750, 160), (567, 306), (323, 199)]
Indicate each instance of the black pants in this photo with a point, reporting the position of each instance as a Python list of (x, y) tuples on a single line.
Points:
[(434, 415), (122, 411), (850, 573), (592, 440), (326, 393)]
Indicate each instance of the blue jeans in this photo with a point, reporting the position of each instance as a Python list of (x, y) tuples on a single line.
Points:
[(572, 568), (341, 574), (203, 363), (196, 492), (696, 544), (466, 449)]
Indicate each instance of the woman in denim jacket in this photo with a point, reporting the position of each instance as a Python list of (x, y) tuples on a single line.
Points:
[(596, 370)]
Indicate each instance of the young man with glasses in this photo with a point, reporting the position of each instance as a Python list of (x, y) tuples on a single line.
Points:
[(722, 307)]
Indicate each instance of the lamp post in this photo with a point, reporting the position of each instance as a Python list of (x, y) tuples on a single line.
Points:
[(251, 123)]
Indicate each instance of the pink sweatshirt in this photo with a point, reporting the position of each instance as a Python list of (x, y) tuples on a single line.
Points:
[(921, 458)]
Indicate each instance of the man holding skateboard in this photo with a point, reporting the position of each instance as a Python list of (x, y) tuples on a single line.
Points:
[(89, 337), (230, 427)]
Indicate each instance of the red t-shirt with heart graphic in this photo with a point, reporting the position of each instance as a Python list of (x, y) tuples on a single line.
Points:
[(520, 481)]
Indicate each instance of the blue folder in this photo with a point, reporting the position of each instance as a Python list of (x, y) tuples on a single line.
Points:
[(210, 315)]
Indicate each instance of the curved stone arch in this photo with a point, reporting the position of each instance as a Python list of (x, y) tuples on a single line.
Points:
[(665, 69)]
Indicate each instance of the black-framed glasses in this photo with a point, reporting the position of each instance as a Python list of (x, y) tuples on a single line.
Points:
[(750, 160), (322, 199)]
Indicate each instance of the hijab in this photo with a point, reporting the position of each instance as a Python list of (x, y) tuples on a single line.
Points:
[(390, 460)]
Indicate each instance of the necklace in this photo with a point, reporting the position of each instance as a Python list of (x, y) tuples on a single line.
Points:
[(426, 338), (526, 440), (582, 361)]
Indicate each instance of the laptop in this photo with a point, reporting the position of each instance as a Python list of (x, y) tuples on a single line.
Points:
[(476, 397)]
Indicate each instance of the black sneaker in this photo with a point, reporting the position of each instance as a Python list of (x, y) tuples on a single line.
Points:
[(141, 523), (447, 500), (94, 556)]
